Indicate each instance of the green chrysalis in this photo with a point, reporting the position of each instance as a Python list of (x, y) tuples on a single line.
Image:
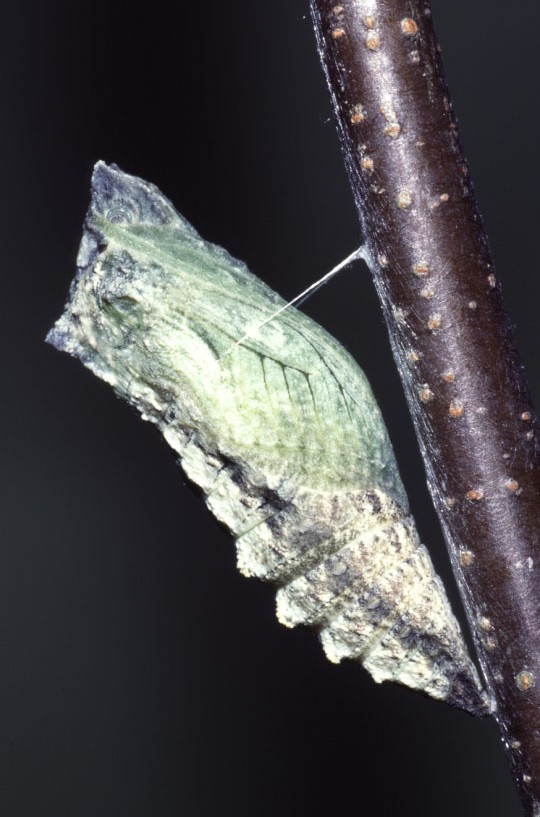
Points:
[(277, 425)]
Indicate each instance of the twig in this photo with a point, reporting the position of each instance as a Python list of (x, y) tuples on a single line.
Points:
[(451, 338)]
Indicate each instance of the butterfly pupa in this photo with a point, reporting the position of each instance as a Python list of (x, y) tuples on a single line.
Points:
[(277, 426)]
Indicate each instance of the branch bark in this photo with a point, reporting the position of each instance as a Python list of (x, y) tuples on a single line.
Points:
[(451, 338)]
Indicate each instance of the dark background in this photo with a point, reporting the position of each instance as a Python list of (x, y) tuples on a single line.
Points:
[(140, 674)]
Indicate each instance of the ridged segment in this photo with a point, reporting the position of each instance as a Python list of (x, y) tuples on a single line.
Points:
[(352, 564)]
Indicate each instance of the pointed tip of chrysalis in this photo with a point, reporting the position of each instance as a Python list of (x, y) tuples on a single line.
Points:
[(56, 338), (465, 693), (124, 199)]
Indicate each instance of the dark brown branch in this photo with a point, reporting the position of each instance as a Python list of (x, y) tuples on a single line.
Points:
[(451, 338)]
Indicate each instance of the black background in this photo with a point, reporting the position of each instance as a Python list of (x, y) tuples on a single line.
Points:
[(140, 674)]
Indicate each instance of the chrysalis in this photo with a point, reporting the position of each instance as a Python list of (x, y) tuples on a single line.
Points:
[(278, 427)]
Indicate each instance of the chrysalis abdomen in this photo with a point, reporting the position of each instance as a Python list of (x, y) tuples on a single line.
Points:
[(278, 427)]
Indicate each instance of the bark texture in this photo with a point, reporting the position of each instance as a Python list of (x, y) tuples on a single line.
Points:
[(451, 338)]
